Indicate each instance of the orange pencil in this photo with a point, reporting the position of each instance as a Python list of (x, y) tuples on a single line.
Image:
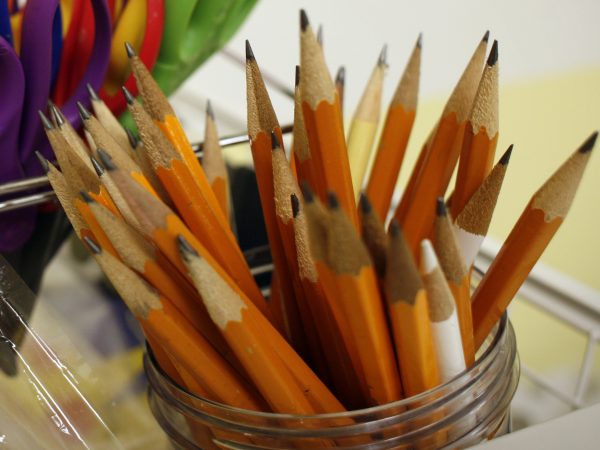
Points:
[(480, 136), (541, 218), (213, 162), (409, 316), (322, 118), (394, 137)]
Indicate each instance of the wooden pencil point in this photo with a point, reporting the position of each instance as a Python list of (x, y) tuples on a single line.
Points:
[(97, 166), (420, 41), (56, 114), (365, 204), (506, 156), (83, 112), (320, 35), (105, 159), (297, 77), (249, 52), (45, 121), (92, 245), (441, 209), (295, 205), (86, 197), (209, 110), (340, 77), (185, 248), (274, 141), (130, 50), (588, 145), (307, 192), (332, 200), (92, 92), (304, 23), (43, 161), (394, 228), (382, 59), (486, 36), (493, 54), (129, 98), (133, 140)]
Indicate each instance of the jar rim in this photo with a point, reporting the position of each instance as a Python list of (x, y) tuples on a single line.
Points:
[(439, 394)]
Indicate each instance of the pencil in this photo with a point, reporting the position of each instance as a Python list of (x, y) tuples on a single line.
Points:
[(161, 112), (307, 170), (109, 121), (431, 174), (213, 162), (536, 226), (472, 223), (409, 316), (394, 136), (364, 123), (373, 235), (442, 315), (457, 275), (340, 88), (362, 306), (262, 122), (480, 136), (322, 118), (344, 378), (157, 315), (207, 224)]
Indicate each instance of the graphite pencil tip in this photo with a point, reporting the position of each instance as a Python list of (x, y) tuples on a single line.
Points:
[(129, 98), (209, 110), (92, 92), (274, 141), (340, 77), (486, 36), (133, 140), (83, 112), (295, 205), (394, 228), (440, 208), (86, 197), (304, 23), (185, 248), (365, 204), (92, 245), (97, 167), (297, 77), (43, 161), (382, 59), (307, 192), (56, 114), (47, 124), (249, 52), (332, 200), (420, 40), (130, 50), (506, 156), (588, 145), (493, 58), (105, 159)]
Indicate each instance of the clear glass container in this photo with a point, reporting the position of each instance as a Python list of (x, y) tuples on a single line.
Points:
[(469, 409)]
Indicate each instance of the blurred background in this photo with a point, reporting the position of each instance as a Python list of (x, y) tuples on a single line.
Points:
[(549, 103)]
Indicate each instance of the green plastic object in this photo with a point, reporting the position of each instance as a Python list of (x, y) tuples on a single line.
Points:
[(193, 31)]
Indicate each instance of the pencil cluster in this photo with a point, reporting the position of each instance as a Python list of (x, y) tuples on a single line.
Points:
[(364, 309)]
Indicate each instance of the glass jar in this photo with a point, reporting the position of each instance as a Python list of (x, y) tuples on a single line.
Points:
[(469, 409)]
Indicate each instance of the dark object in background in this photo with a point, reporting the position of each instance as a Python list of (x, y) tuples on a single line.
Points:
[(21, 283)]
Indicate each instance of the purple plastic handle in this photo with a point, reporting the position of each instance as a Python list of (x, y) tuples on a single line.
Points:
[(37, 64), (14, 225)]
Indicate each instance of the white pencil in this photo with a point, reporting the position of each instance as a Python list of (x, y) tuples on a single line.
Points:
[(442, 314)]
